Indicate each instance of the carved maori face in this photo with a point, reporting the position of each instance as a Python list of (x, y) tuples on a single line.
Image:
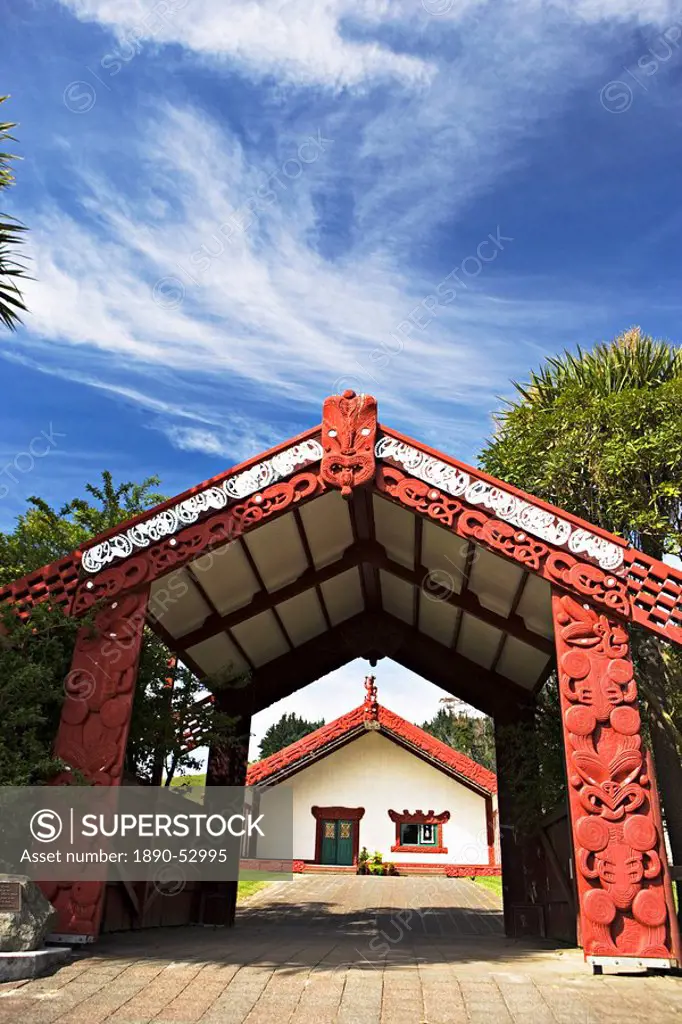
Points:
[(620, 865), (621, 870), (349, 425)]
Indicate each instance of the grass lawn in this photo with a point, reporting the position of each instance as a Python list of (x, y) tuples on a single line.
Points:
[(188, 780), (492, 882), (245, 889)]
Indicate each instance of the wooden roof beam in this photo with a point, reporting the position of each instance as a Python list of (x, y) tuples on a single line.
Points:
[(264, 600), (512, 624), (364, 531), (311, 565), (373, 556), (383, 635)]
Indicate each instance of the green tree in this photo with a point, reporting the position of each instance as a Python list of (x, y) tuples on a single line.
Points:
[(471, 735), (44, 534), (534, 760), (11, 237), (35, 656), (169, 699), (289, 729), (599, 433)]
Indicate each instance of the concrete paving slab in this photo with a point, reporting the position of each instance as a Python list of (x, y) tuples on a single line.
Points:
[(341, 950)]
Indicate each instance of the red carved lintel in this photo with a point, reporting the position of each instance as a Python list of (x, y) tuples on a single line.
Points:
[(419, 817), (337, 813), (93, 733), (624, 895), (349, 428)]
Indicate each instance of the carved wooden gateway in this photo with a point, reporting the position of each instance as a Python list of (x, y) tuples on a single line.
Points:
[(354, 541)]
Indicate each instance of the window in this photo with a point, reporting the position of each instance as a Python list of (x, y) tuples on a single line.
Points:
[(412, 834), (419, 831)]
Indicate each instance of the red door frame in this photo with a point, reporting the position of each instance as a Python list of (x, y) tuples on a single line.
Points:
[(322, 814)]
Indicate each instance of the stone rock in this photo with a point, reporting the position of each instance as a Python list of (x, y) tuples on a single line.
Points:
[(26, 930), (20, 966)]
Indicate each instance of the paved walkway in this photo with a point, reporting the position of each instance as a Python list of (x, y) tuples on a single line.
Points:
[(341, 950), (364, 906)]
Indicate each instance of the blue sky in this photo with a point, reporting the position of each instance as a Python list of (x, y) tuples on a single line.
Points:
[(236, 209)]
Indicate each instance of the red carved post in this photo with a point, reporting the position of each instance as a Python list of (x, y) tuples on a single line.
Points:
[(622, 874), (93, 732), (349, 429)]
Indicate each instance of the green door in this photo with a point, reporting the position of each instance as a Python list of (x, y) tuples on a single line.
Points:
[(344, 843), (329, 842), (337, 842)]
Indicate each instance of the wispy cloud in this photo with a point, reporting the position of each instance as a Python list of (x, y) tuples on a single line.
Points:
[(238, 440), (291, 263), (298, 41), (268, 308)]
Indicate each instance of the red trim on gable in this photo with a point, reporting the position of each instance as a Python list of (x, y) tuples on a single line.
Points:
[(58, 580), (438, 750), (310, 744), (307, 435), (584, 524), (314, 746)]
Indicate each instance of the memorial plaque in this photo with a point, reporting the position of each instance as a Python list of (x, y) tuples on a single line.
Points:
[(10, 897)]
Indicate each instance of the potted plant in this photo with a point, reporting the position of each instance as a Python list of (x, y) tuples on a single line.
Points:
[(376, 865), (363, 861)]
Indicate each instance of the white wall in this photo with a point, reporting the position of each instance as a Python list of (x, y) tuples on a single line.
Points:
[(375, 773)]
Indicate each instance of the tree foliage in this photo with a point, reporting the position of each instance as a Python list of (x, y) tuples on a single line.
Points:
[(533, 760), (43, 534), (287, 730), (168, 699), (471, 735), (35, 657), (11, 238), (599, 433)]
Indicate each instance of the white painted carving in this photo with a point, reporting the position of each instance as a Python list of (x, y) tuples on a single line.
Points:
[(512, 509), (518, 512), (188, 511), (432, 471), (608, 555), (277, 468)]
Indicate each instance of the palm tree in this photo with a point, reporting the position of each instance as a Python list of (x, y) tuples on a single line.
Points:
[(11, 237), (632, 360), (596, 432)]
